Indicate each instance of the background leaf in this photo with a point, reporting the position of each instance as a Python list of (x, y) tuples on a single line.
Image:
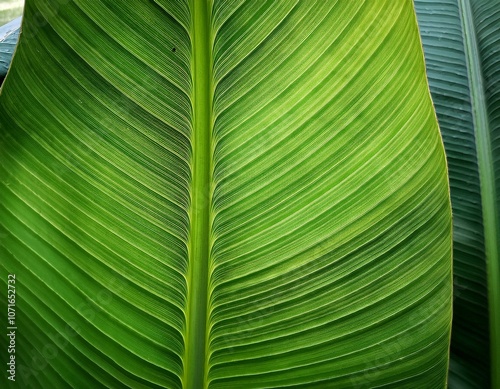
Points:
[(9, 34), (462, 47)]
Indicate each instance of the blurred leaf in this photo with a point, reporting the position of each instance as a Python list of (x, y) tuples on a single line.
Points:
[(10, 9), (9, 34)]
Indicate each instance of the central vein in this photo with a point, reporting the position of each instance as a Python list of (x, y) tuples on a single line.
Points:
[(196, 316)]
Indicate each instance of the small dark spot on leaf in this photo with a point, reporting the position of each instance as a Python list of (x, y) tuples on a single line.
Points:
[(173, 49)]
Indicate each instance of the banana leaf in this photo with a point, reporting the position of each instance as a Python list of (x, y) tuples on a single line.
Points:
[(461, 39), (223, 194)]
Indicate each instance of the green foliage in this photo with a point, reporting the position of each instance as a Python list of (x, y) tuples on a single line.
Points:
[(224, 194)]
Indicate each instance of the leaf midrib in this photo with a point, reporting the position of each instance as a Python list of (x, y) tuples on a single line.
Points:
[(198, 247), (486, 179)]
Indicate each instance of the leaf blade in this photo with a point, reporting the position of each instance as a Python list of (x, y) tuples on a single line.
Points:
[(290, 211), (110, 174), (331, 203)]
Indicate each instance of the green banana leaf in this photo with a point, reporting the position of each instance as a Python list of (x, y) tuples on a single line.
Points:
[(461, 40), (223, 194)]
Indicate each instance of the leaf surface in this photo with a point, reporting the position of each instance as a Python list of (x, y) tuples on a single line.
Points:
[(225, 194)]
